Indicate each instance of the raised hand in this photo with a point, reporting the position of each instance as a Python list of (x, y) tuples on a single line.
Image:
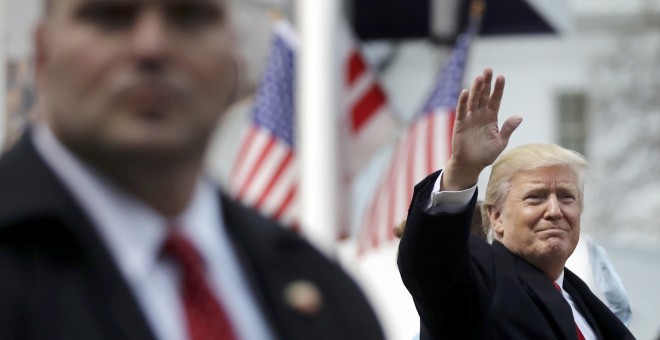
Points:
[(477, 140)]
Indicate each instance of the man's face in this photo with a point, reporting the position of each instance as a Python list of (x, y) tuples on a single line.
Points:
[(540, 218), (146, 77)]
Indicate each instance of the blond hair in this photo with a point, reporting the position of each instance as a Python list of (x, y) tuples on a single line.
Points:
[(523, 158)]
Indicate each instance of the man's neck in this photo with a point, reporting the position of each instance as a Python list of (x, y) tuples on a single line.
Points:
[(165, 183), (166, 187), (552, 268)]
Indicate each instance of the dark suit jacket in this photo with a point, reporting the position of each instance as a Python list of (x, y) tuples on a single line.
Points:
[(58, 280), (464, 288)]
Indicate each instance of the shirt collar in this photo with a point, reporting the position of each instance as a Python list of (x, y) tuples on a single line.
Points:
[(133, 231), (560, 280), (201, 222)]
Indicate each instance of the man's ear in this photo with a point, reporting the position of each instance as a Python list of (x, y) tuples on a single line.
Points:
[(495, 219)]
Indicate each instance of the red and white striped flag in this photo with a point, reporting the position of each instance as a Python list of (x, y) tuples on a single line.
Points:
[(422, 149), (370, 122), (265, 174)]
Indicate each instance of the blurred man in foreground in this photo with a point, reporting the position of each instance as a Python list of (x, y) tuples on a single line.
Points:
[(108, 228), (516, 288)]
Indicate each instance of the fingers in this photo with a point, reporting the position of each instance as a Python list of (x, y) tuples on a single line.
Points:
[(510, 125), (475, 94), (461, 107), (498, 91), (485, 91), (480, 96)]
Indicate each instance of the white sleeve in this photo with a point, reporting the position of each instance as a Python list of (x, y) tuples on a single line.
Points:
[(449, 201)]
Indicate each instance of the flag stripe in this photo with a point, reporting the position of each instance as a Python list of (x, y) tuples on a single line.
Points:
[(391, 197), (257, 141), (411, 165), (288, 179), (244, 151), (285, 163), (266, 171), (367, 107), (450, 130), (286, 202), (356, 66), (374, 229), (253, 172), (430, 142)]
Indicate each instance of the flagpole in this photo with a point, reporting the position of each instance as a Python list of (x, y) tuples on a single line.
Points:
[(477, 11), (317, 127), (3, 73)]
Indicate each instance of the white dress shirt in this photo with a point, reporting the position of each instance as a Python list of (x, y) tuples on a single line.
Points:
[(134, 234), (455, 201), (580, 321)]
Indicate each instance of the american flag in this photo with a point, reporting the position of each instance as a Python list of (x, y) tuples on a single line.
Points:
[(265, 174), (422, 149)]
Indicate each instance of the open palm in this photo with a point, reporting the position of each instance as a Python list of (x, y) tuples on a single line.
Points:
[(477, 140)]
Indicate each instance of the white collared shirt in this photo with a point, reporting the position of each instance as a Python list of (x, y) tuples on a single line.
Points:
[(134, 234), (455, 201), (580, 321)]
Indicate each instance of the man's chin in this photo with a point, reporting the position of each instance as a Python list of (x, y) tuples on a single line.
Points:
[(557, 246), (127, 152), (151, 150)]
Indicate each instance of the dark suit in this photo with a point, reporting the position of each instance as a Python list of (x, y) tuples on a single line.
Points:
[(464, 288), (58, 280)]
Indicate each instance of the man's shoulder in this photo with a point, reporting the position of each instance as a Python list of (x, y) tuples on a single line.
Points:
[(29, 190), (242, 221), (278, 252), (282, 261), (264, 236)]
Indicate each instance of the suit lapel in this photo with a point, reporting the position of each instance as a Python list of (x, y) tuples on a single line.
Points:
[(579, 296), (237, 224), (44, 205), (543, 292), (127, 317)]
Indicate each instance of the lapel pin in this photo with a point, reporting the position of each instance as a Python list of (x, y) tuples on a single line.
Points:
[(303, 296)]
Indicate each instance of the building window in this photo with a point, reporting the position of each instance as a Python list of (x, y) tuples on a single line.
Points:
[(572, 120)]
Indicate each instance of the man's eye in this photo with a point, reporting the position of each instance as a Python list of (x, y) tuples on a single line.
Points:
[(533, 198), (194, 14), (567, 198), (108, 15)]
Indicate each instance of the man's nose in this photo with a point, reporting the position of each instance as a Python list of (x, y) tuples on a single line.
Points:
[(149, 37), (552, 208)]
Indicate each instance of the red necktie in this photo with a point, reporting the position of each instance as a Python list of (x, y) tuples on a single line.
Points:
[(205, 316), (579, 332)]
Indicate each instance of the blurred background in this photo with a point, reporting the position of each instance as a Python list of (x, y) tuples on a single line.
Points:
[(584, 74)]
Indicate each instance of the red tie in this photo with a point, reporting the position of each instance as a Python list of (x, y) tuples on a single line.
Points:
[(579, 332), (205, 315)]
